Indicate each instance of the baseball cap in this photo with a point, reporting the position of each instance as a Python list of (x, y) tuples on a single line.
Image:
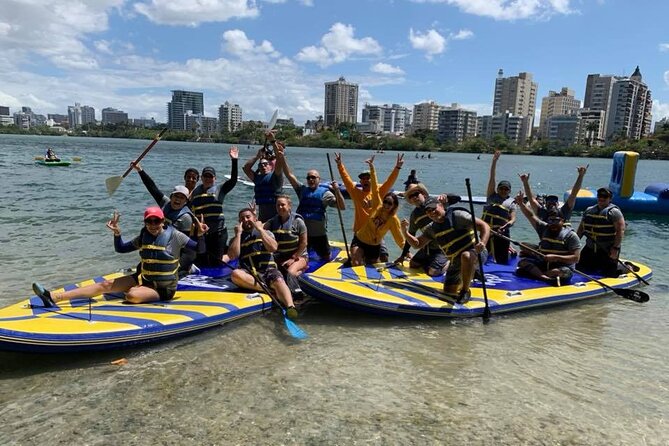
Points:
[(431, 203), (552, 198), (604, 191), (154, 211), (183, 190), (209, 170), (504, 183), (364, 173)]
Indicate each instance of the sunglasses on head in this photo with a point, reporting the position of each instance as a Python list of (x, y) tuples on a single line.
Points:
[(311, 177), (153, 221)]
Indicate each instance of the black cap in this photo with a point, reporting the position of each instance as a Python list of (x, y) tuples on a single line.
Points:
[(430, 203), (208, 170), (504, 183), (605, 191), (553, 198)]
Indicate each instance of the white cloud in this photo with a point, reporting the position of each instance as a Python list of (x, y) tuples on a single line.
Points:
[(171, 12), (660, 110), (103, 46), (384, 68), (509, 9), (236, 42), (431, 42), (462, 35), (664, 47), (337, 45)]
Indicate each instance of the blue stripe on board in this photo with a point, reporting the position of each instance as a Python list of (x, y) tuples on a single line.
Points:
[(227, 306), (154, 307), (97, 317)]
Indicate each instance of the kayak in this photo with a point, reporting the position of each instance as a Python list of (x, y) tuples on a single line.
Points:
[(60, 163), (398, 290)]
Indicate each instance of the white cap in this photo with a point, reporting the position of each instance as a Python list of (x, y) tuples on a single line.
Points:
[(181, 190)]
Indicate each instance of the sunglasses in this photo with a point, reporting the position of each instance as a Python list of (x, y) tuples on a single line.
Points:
[(264, 163), (413, 195), (153, 221), (312, 177), (389, 202)]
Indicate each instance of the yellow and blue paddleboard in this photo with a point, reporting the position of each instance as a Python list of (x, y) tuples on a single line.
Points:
[(106, 321), (397, 290)]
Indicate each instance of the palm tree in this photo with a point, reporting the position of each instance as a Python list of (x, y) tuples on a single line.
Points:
[(591, 127)]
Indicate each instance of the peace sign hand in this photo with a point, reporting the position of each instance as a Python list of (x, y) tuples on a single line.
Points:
[(201, 226), (400, 161), (113, 223)]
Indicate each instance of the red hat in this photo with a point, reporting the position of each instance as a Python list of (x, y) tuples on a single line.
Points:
[(154, 211)]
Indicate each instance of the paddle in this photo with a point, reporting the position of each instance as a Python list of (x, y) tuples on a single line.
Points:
[(630, 268), (635, 295), (486, 310), (294, 330), (270, 126), (341, 219), (113, 183)]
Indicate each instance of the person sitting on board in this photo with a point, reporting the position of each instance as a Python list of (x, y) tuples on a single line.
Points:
[(558, 243), (411, 179), (290, 232), (314, 199), (51, 155), (268, 181), (603, 224), (430, 258), (207, 199), (366, 243), (453, 230), (552, 201), (253, 245), (499, 213), (362, 198), (156, 277)]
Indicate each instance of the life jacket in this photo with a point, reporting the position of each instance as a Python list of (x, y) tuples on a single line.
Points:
[(311, 203), (287, 240), (549, 245), (158, 264), (207, 204), (420, 220), (597, 224), (451, 240), (252, 252), (264, 191), (496, 215), (172, 216)]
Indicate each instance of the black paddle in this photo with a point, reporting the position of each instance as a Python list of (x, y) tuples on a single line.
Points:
[(486, 310), (341, 219), (635, 295), (629, 267)]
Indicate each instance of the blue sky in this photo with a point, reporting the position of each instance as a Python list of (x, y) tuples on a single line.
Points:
[(268, 54)]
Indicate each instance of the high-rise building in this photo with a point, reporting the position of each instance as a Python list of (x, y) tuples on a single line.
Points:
[(557, 104), (630, 109), (518, 96), (341, 102), (57, 118), (4, 111), (598, 93), (182, 103), (506, 124), (387, 118), (113, 116), (456, 124), (591, 127), (229, 117), (563, 130), (78, 115), (425, 116)]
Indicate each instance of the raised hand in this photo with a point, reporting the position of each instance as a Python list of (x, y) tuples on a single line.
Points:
[(496, 155), (524, 177), (113, 223), (520, 199), (337, 157), (270, 135), (400, 161), (370, 161), (234, 153), (201, 226), (136, 166), (582, 170)]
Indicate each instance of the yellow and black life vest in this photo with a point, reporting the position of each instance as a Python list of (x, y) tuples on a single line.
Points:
[(597, 224), (286, 239), (451, 240), (496, 215), (252, 253), (158, 264)]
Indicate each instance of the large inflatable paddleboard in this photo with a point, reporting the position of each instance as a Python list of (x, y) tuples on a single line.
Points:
[(59, 163), (397, 290)]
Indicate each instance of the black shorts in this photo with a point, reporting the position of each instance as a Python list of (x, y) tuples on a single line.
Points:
[(371, 253), (434, 259), (271, 275), (165, 290), (320, 245)]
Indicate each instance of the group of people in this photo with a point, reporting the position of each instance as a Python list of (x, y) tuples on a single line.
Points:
[(187, 230)]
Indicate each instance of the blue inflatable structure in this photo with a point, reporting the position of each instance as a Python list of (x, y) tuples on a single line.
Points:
[(653, 200)]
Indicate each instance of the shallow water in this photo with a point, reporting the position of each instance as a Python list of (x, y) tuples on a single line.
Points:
[(590, 373)]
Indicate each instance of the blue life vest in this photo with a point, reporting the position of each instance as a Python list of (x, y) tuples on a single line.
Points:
[(158, 264), (172, 217), (451, 240), (286, 239), (311, 203), (252, 252), (264, 190)]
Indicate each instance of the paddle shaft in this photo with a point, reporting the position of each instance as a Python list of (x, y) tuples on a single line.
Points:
[(341, 219), (635, 295), (486, 310), (148, 148), (641, 279)]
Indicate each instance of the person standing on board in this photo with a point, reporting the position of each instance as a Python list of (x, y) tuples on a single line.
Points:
[(453, 231), (314, 199), (603, 224), (207, 199), (159, 248), (253, 245), (268, 181), (552, 201), (558, 243), (499, 213), (411, 179)]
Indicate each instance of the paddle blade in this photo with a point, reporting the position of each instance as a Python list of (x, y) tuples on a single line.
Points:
[(635, 295), (273, 119), (293, 329), (112, 184)]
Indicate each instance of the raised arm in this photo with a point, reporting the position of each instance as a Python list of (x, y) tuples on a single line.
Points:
[(150, 185), (234, 172), (248, 166), (282, 162), (392, 176), (345, 177), (571, 200), (491, 181), (376, 196), (527, 212), (525, 179)]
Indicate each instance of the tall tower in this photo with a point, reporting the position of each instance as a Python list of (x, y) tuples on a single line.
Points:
[(341, 102), (182, 103), (229, 117), (630, 108), (517, 95), (557, 104)]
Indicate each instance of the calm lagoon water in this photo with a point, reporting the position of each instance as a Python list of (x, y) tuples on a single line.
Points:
[(591, 373)]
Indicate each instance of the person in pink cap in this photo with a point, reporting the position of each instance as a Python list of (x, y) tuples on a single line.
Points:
[(156, 277)]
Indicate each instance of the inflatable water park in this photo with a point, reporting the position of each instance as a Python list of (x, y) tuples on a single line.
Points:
[(653, 200)]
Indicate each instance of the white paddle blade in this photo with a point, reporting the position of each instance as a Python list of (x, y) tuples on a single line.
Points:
[(112, 184), (273, 119)]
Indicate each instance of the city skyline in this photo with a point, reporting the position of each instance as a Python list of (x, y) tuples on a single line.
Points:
[(403, 52)]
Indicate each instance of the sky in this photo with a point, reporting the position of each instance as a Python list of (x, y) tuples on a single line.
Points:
[(277, 54)]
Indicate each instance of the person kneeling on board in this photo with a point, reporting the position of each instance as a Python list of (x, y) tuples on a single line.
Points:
[(560, 248), (156, 278), (453, 231)]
